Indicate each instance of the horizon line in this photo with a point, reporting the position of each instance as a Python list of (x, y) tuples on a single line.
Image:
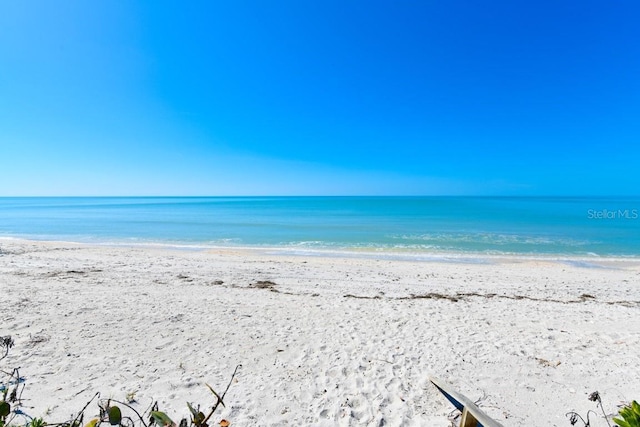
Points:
[(325, 196)]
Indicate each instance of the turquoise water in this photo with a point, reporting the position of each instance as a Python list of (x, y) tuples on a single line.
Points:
[(409, 225)]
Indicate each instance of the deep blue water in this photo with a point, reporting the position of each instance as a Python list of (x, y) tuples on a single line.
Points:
[(423, 225)]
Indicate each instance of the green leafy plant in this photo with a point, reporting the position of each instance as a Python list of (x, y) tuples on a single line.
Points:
[(37, 422), (629, 416)]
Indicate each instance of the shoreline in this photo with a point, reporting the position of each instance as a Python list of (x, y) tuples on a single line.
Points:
[(398, 254), (322, 340)]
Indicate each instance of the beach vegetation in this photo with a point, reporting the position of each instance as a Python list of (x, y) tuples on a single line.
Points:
[(37, 422), (629, 416)]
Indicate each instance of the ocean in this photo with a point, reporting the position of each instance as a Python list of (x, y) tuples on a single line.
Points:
[(378, 226)]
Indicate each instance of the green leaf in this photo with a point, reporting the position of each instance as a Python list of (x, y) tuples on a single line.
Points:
[(37, 422), (93, 423), (197, 417), (629, 416), (215, 394), (621, 423), (115, 415), (5, 409), (162, 418), (192, 410)]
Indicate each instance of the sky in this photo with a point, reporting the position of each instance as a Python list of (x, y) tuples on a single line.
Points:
[(209, 98)]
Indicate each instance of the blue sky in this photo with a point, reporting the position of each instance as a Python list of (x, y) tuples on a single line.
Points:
[(319, 97)]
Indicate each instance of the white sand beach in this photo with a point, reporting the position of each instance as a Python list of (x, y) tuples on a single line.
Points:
[(323, 341)]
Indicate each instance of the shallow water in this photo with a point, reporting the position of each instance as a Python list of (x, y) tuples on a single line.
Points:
[(399, 226)]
